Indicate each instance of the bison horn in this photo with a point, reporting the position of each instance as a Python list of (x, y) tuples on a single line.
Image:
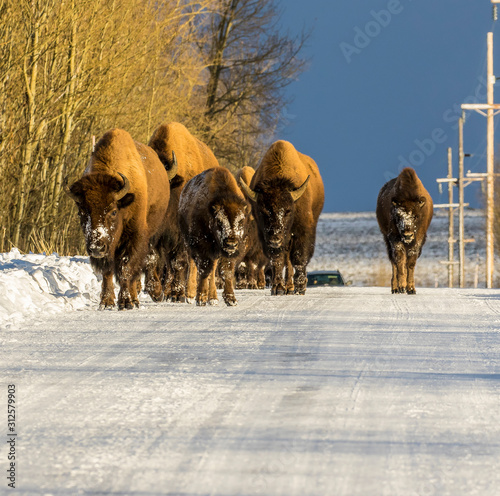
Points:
[(68, 191), (172, 172), (297, 193), (124, 189), (247, 190)]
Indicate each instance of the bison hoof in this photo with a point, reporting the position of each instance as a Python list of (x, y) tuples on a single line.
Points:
[(300, 291), (411, 291), (278, 290), (190, 300), (106, 305), (399, 291), (213, 302), (230, 300), (178, 299), (126, 306), (157, 297)]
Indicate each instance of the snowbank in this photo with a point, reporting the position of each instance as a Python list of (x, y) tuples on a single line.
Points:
[(31, 284)]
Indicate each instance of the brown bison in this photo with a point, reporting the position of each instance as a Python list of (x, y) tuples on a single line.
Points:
[(122, 201), (175, 144), (404, 212), (287, 196), (213, 216), (253, 262)]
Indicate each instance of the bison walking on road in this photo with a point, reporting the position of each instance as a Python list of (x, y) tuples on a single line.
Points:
[(287, 197), (173, 142), (213, 215), (122, 201), (253, 260), (404, 213)]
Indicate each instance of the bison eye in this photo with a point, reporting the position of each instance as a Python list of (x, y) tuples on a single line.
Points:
[(113, 213)]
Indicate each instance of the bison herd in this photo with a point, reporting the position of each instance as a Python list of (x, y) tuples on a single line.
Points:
[(169, 211)]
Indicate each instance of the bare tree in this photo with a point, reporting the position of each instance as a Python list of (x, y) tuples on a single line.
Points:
[(71, 69), (250, 61)]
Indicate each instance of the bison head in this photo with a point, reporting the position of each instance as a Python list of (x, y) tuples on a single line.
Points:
[(101, 199), (274, 206), (406, 215), (229, 225)]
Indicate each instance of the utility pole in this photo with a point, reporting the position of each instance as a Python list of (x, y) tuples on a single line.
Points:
[(451, 239), (452, 181), (461, 229), (490, 169), (460, 182), (491, 110)]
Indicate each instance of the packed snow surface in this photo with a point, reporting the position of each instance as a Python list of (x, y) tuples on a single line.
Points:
[(343, 391)]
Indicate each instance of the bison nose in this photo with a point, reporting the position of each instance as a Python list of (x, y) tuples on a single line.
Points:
[(230, 244), (408, 237), (99, 252), (275, 242)]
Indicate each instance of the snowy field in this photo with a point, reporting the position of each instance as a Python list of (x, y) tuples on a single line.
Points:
[(343, 391), (352, 243)]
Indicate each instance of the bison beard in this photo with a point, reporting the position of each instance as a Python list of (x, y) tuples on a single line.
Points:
[(404, 213)]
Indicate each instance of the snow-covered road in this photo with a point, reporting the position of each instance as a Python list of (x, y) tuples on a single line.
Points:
[(345, 391)]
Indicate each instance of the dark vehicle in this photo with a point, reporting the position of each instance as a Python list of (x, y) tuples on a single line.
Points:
[(318, 278)]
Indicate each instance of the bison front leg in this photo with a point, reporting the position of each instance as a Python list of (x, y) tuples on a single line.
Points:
[(205, 270), (135, 289), (261, 276), (227, 274), (107, 291), (300, 279), (290, 287), (398, 283), (178, 286), (212, 287), (191, 281), (153, 285), (411, 262), (252, 275), (278, 284), (129, 267)]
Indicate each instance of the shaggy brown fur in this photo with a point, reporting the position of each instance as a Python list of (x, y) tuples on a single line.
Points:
[(193, 157), (250, 269), (287, 196), (213, 216), (404, 213), (122, 200)]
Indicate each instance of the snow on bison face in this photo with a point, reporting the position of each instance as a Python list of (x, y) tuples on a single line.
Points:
[(406, 216), (275, 216), (100, 199), (274, 206), (229, 226)]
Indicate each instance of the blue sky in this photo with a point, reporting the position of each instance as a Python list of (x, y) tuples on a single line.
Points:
[(383, 90)]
